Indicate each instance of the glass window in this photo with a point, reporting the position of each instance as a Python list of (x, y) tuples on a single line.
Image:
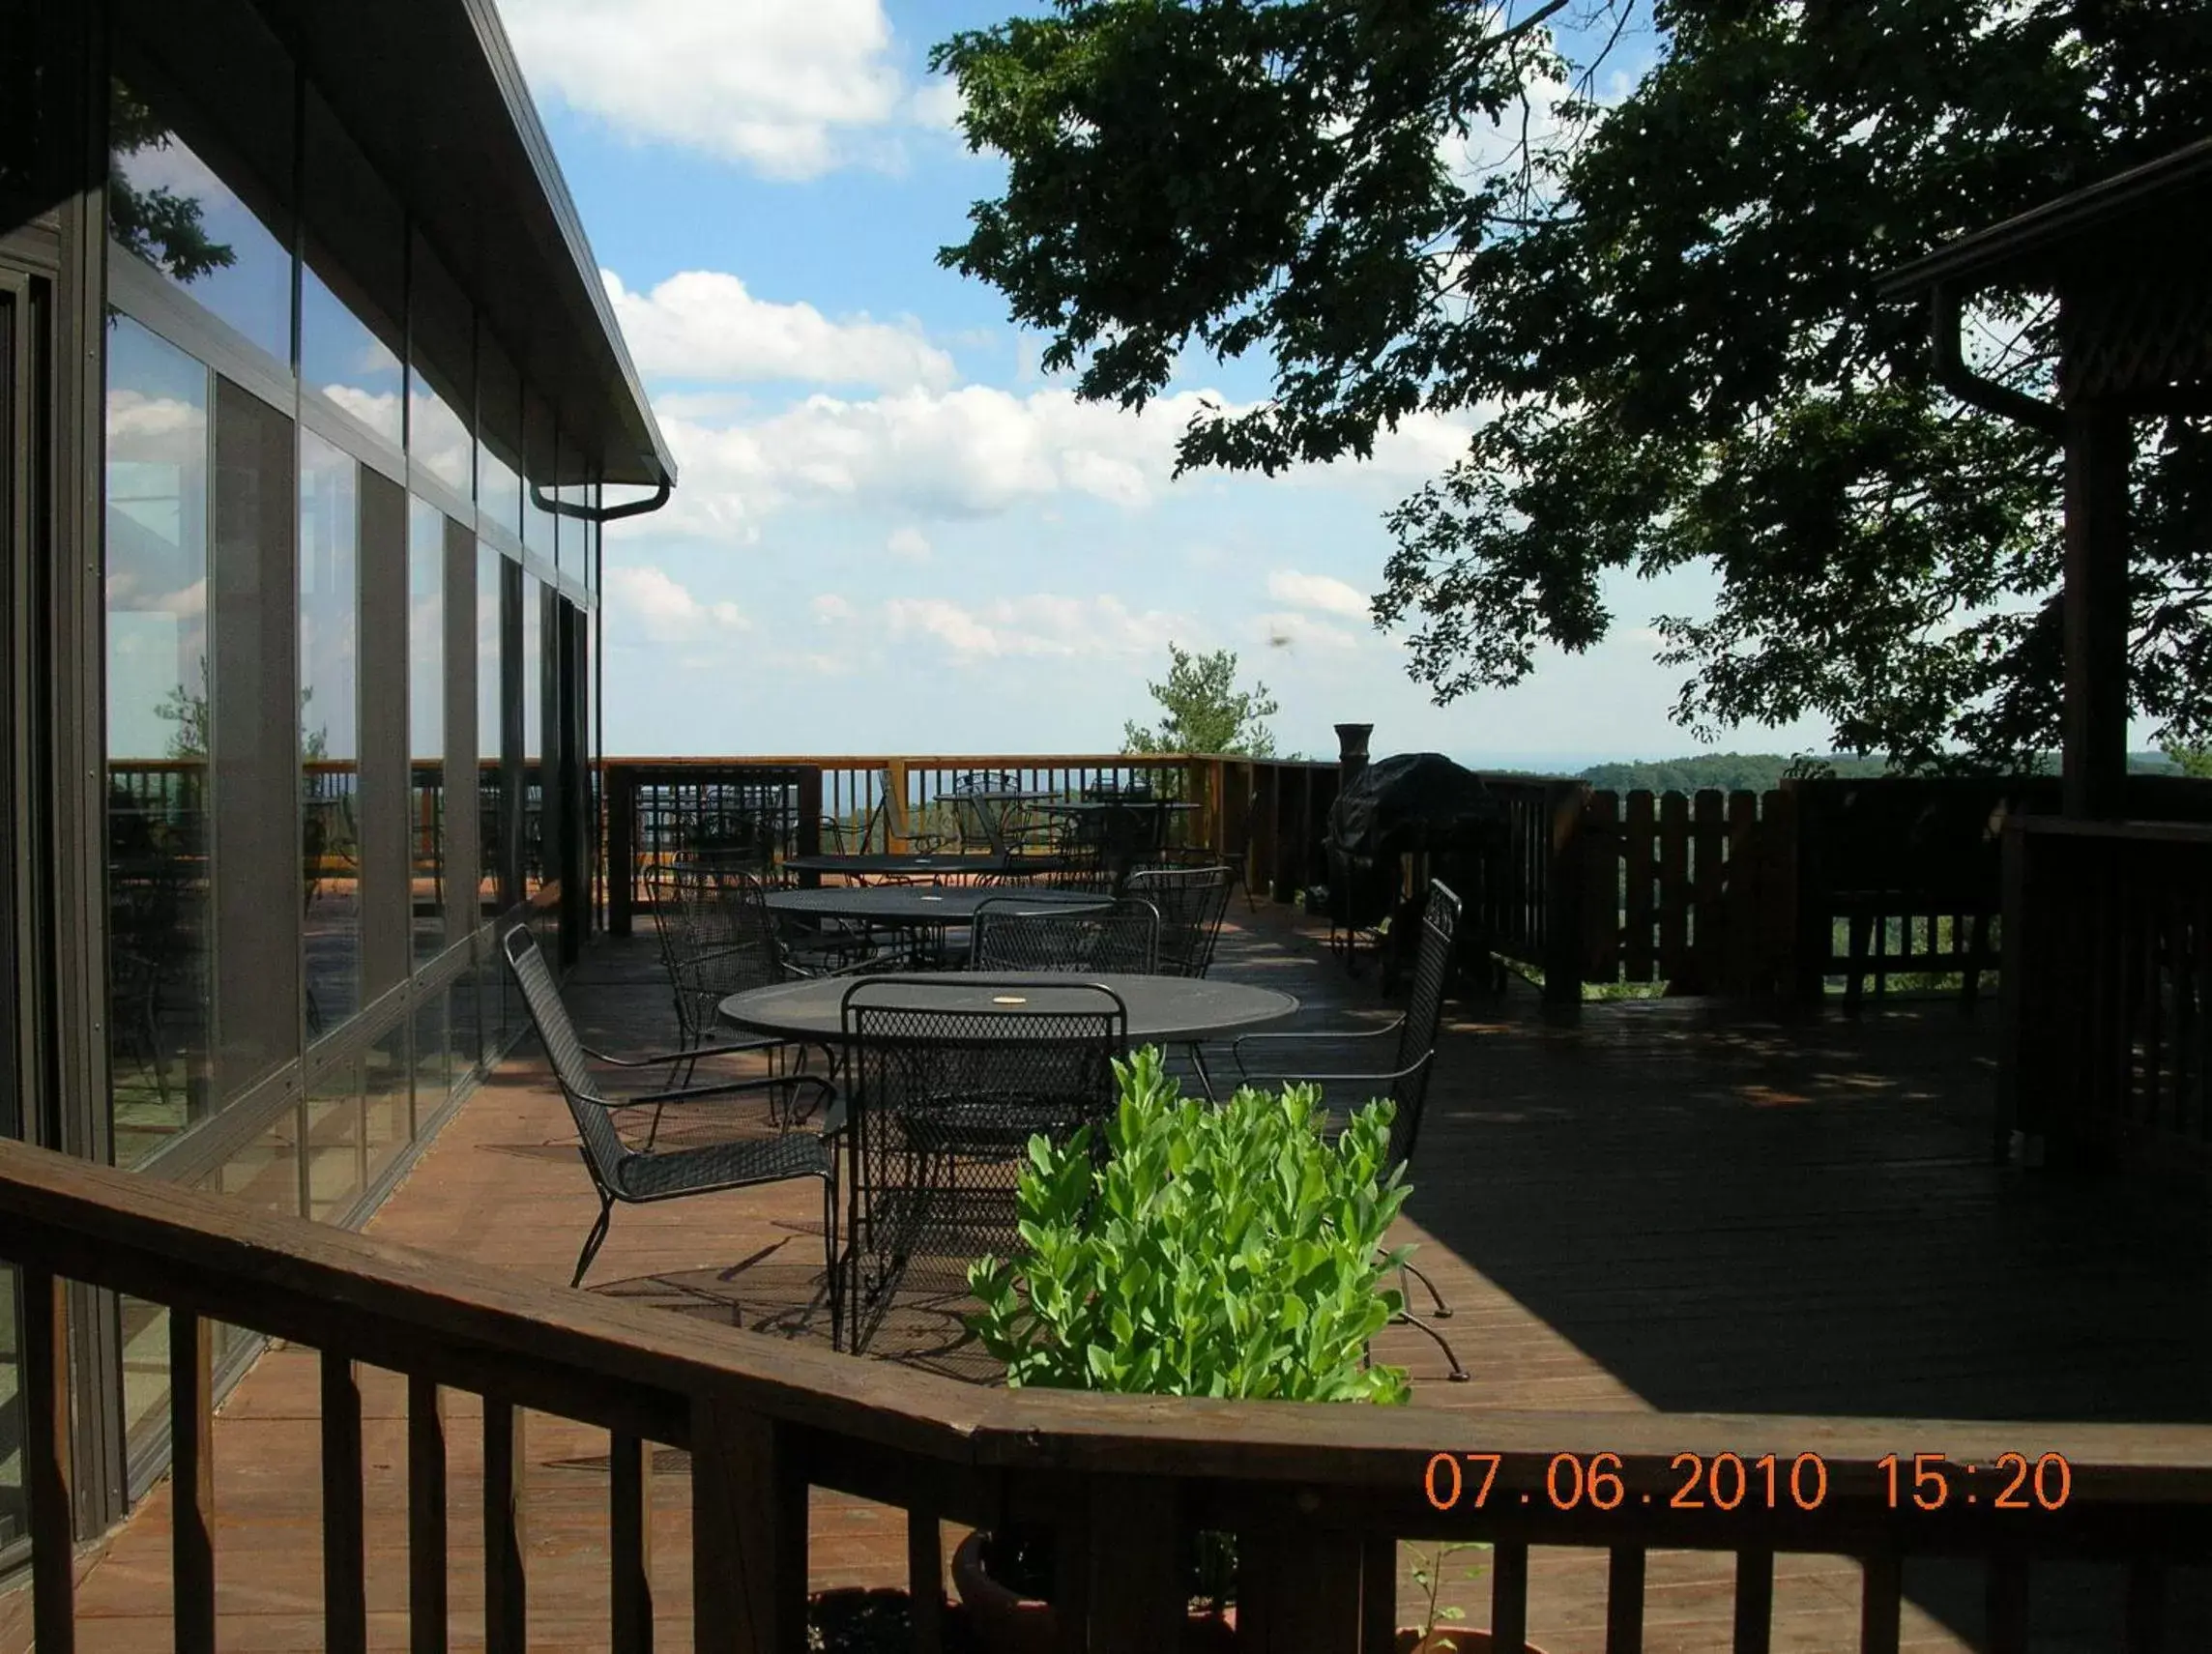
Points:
[(492, 723), (542, 452), (535, 871), (335, 1174), (160, 936), (387, 1101), (166, 206), (343, 359), (352, 280), (499, 422), (592, 541), (441, 379), (433, 1054), (427, 721), (330, 730)]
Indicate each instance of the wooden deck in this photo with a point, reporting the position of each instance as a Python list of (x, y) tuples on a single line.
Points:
[(1647, 1206)]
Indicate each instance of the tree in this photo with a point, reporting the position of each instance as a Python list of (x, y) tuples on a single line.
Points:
[(1659, 315), (1206, 711)]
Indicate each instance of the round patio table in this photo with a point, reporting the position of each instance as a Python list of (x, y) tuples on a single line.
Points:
[(1162, 1009), (921, 904), (877, 866)]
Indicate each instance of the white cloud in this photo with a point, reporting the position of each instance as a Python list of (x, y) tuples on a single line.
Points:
[(938, 104), (652, 606), (703, 324), (791, 88), (1320, 592), (829, 608), (909, 545), (155, 430), (1040, 625)]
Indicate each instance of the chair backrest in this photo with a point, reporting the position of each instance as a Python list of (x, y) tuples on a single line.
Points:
[(979, 822), (603, 1145), (945, 1091), (1417, 1033), (1191, 901), (1011, 935)]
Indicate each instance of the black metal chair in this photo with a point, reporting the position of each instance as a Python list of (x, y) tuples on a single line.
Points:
[(1191, 902), (710, 1158), (1010, 934), (943, 1100), (1412, 1040)]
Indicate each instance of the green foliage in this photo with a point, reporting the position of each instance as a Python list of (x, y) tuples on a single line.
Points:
[(1220, 1251), (1206, 711), (1663, 310), (1729, 772), (165, 229), (2193, 762)]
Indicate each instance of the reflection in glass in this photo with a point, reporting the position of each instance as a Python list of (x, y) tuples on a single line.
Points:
[(157, 792), (145, 1329), (427, 721), (266, 1172), (166, 206), (433, 1057), (498, 423), (330, 730), (386, 1097), (533, 861), (342, 357), (334, 1170), (492, 723)]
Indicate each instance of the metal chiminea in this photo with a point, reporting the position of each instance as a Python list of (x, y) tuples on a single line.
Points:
[(1351, 751)]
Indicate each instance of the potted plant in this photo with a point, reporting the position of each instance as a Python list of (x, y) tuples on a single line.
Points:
[(1231, 1251)]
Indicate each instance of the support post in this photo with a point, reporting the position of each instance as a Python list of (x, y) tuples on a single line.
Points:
[(2094, 722), (1564, 876), (620, 788)]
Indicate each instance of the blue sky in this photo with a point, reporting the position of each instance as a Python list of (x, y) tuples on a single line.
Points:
[(890, 534)]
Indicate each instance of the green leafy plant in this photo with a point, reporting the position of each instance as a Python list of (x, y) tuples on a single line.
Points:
[(1218, 1251), (1428, 1575)]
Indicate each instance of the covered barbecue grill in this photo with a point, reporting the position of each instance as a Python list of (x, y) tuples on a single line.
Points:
[(1396, 824)]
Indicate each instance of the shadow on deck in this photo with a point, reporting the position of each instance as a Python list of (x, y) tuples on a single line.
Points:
[(1653, 1205)]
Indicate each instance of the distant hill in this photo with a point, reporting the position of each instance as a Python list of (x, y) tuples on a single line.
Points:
[(1762, 772)]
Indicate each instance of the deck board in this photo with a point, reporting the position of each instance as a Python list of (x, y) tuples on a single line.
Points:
[(1663, 1205)]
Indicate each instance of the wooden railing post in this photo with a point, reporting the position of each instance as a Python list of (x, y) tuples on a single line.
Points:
[(506, 1582), (345, 1559), (621, 790), (426, 1523), (1565, 875), (629, 1543), (895, 806), (748, 1532), (809, 834), (192, 1481), (2014, 996), (1136, 1595), (46, 1461)]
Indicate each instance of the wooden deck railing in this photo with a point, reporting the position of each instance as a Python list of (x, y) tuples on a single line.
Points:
[(2108, 982), (1317, 1494)]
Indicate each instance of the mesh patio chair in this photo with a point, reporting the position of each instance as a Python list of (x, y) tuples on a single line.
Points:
[(1412, 1042), (718, 937), (1191, 902), (712, 1150), (943, 1101), (1124, 938)]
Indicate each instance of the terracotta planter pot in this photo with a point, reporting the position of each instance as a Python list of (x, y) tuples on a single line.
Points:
[(1007, 1623), (1445, 1639)]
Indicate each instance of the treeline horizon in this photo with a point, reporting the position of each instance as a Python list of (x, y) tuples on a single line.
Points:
[(1759, 771)]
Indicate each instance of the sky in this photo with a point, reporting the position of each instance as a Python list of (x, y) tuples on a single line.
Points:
[(890, 533)]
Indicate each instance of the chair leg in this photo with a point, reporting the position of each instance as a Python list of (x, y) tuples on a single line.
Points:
[(1439, 1309), (1459, 1374), (592, 1241)]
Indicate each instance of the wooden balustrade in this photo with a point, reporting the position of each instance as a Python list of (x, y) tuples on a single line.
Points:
[(1318, 1495)]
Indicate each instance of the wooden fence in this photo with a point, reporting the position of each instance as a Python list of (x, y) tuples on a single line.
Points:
[(2108, 984), (1317, 1494)]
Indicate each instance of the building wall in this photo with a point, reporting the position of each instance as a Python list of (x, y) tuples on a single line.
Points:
[(337, 635)]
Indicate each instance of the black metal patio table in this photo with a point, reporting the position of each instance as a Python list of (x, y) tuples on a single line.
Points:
[(879, 865), (1162, 1009), (922, 911)]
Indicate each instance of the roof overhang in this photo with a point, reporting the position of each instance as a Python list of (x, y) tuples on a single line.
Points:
[(2157, 215), (431, 92)]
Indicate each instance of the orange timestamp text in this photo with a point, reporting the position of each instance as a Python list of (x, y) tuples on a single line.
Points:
[(1730, 1481)]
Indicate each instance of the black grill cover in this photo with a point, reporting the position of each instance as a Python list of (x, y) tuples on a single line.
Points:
[(1414, 801)]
